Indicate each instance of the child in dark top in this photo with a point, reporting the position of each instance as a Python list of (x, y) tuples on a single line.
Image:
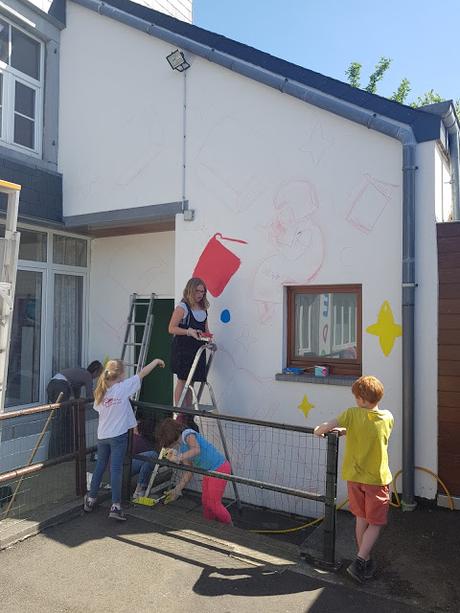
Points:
[(68, 382), (142, 446)]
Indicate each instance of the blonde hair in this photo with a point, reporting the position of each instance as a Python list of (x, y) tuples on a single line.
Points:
[(368, 388), (189, 293), (112, 371)]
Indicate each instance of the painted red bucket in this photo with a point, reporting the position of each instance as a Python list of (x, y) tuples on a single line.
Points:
[(217, 264)]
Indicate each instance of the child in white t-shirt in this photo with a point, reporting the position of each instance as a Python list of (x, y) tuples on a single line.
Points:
[(116, 417)]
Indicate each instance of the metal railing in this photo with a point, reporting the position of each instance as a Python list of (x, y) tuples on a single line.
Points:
[(295, 470), (278, 467), (37, 449)]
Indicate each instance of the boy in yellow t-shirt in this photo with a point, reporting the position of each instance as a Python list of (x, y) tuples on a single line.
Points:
[(365, 467)]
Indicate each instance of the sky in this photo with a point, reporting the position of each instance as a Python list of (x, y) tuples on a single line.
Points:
[(421, 37)]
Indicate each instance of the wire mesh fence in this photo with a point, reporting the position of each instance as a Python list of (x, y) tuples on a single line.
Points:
[(40, 461), (289, 459), (277, 467)]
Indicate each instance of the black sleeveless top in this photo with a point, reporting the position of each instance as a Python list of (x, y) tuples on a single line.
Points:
[(184, 348)]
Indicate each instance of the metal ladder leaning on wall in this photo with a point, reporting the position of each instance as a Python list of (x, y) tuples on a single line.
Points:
[(196, 398), (9, 251), (130, 342)]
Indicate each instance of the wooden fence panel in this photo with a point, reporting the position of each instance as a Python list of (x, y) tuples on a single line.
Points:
[(448, 235)]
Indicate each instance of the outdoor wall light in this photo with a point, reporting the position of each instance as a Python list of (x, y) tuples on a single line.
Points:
[(177, 61)]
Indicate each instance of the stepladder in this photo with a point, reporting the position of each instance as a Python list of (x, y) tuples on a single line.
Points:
[(209, 349), (138, 334), (9, 252)]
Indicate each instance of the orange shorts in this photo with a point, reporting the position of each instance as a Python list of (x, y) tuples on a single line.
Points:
[(371, 502)]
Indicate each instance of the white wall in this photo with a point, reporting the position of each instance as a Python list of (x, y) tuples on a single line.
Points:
[(426, 318), (316, 197), (120, 117), (121, 266)]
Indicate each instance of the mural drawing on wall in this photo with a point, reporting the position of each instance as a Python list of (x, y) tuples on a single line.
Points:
[(235, 180), (298, 243), (305, 406), (217, 264), (385, 328), (368, 202), (317, 144)]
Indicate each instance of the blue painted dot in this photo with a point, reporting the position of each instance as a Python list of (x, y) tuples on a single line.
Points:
[(225, 316)]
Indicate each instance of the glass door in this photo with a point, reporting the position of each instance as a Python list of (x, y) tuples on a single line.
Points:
[(23, 384)]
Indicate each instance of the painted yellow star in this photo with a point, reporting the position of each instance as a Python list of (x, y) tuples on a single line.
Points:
[(385, 328), (305, 406)]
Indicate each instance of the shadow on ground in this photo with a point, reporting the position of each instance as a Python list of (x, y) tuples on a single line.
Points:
[(171, 552)]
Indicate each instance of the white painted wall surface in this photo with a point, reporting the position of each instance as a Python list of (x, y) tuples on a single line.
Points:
[(121, 266), (316, 197), (259, 161), (426, 318), (120, 117)]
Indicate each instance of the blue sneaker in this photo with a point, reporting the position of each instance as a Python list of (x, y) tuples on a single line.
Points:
[(116, 513)]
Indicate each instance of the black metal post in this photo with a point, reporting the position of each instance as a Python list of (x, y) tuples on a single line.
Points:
[(329, 525), (126, 486), (79, 413)]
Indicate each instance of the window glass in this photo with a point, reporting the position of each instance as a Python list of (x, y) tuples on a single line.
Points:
[(32, 246), (24, 132), (24, 100), (67, 330), (4, 37), (304, 305), (20, 87), (25, 54), (323, 325), (23, 385), (69, 251)]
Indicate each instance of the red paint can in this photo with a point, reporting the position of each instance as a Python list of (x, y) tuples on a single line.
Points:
[(217, 264)]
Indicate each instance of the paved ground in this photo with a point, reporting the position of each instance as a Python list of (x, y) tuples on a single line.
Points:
[(168, 560)]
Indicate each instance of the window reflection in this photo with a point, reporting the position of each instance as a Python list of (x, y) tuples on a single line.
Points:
[(23, 384), (325, 325)]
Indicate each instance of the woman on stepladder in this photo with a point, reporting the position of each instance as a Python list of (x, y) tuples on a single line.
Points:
[(188, 323)]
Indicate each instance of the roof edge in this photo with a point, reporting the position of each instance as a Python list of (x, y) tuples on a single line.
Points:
[(50, 18), (260, 66), (133, 216)]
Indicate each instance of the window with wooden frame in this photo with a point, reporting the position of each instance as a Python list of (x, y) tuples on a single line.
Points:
[(324, 324)]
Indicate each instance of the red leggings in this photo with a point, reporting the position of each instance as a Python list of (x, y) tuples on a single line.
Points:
[(211, 496)]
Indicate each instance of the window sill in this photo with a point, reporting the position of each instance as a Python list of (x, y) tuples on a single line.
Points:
[(344, 380)]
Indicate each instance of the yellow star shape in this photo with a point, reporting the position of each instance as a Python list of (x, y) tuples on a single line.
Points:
[(305, 406), (385, 328)]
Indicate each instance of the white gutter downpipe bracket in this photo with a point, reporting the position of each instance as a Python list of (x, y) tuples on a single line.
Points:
[(401, 132)]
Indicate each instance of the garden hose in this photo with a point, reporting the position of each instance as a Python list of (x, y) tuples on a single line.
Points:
[(396, 504), (429, 472)]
